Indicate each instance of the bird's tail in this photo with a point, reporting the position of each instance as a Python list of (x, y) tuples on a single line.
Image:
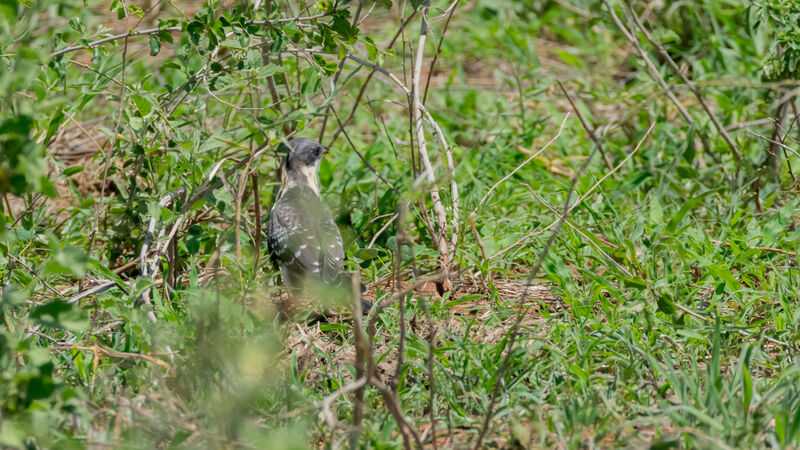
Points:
[(347, 280), (365, 306)]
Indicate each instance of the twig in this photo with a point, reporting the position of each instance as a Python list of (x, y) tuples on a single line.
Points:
[(265, 60), (431, 379), (78, 124), (383, 228), (100, 288), (238, 224), (165, 201), (107, 155), (373, 69), (363, 355), (96, 349), (126, 266), (583, 13), (749, 124), (337, 75), (363, 159), (257, 205), (778, 143), (116, 37), (586, 126), (583, 235), (477, 238), (765, 249), (344, 390), (552, 224), (393, 403), (612, 171), (450, 12), (27, 210), (456, 203), (739, 332), (149, 31), (35, 275), (102, 74)]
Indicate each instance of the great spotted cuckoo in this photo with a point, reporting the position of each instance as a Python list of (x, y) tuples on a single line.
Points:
[(304, 241)]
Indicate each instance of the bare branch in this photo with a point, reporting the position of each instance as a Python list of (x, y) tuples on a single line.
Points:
[(438, 208)]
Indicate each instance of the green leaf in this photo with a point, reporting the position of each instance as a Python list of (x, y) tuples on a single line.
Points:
[(253, 58), (232, 43), (312, 81), (193, 245), (748, 381), (69, 260), (665, 35), (8, 10), (676, 219), (60, 314), (366, 254), (142, 104), (155, 45), (666, 305), (656, 212), (723, 273), (635, 283), (55, 122), (334, 327), (214, 141), (69, 171), (269, 70)]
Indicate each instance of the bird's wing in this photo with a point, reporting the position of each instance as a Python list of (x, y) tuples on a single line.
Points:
[(303, 237), (331, 250)]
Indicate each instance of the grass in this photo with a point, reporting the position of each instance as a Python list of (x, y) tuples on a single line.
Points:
[(664, 313)]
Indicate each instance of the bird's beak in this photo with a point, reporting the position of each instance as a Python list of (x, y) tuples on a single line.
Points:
[(325, 150)]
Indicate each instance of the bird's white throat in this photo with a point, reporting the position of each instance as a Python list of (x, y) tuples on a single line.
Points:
[(303, 176)]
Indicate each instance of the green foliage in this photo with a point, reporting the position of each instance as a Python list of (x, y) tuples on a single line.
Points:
[(22, 168), (783, 62)]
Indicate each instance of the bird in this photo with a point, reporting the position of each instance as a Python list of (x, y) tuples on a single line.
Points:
[(303, 240)]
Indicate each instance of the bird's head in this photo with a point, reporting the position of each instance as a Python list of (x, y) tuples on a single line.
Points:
[(301, 163)]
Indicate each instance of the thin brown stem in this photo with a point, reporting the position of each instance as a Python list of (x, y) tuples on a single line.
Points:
[(257, 206), (438, 50), (586, 126)]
